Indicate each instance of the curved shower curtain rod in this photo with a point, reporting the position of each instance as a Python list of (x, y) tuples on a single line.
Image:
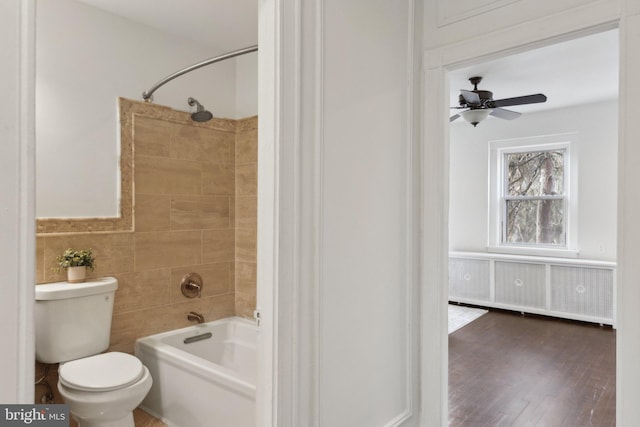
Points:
[(147, 94)]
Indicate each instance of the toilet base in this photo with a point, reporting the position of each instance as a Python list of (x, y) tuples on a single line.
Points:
[(127, 421)]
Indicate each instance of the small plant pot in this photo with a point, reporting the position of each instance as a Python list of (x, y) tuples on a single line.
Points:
[(76, 274)]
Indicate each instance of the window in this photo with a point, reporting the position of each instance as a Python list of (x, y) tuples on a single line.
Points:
[(532, 206), (534, 198)]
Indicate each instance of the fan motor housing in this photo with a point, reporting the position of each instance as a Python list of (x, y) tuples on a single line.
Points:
[(485, 95)]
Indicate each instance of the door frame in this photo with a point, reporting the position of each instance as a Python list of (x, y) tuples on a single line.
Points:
[(595, 17)]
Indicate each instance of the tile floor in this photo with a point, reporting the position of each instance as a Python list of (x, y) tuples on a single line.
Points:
[(143, 419), (140, 417)]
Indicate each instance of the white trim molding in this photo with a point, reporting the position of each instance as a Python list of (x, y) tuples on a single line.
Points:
[(26, 227), (497, 150), (267, 244), (628, 251), (17, 200), (434, 248), (450, 11)]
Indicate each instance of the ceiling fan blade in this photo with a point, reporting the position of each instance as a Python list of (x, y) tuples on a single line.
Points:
[(518, 100), (505, 114), (452, 118), (470, 97)]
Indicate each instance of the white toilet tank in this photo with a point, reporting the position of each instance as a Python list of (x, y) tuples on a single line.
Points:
[(73, 320)]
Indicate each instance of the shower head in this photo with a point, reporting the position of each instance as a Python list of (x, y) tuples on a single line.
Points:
[(201, 115)]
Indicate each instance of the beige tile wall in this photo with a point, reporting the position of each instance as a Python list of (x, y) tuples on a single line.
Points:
[(246, 170), (194, 211)]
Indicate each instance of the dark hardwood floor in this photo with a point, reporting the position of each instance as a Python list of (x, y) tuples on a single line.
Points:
[(506, 369)]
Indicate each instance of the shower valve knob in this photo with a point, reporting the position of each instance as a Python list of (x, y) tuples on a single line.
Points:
[(191, 285)]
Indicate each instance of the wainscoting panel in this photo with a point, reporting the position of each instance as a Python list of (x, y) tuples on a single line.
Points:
[(450, 11)]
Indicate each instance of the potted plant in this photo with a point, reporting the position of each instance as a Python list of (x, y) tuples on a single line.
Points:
[(76, 263)]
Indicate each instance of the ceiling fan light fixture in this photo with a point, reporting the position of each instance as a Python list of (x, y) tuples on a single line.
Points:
[(475, 116)]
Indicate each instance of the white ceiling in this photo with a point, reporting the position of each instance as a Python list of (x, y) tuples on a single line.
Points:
[(574, 72), (225, 25)]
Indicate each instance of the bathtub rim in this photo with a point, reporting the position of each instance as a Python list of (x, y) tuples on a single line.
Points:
[(152, 346), (247, 322)]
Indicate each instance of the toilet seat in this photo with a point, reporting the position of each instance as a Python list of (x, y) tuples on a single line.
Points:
[(102, 372)]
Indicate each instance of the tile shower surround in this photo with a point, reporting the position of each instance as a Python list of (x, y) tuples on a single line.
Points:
[(194, 210)]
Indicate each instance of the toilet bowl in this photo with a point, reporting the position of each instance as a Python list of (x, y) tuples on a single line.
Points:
[(103, 390)]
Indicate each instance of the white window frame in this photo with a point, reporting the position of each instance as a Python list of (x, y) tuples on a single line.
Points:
[(497, 210)]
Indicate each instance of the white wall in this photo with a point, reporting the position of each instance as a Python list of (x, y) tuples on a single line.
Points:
[(246, 85), (86, 59), (364, 275), (596, 126)]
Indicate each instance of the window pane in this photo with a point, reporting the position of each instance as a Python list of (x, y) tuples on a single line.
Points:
[(535, 222), (535, 173)]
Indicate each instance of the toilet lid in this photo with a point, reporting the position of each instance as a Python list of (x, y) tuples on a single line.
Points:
[(102, 372)]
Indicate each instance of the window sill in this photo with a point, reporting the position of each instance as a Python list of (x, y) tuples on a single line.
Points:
[(543, 252)]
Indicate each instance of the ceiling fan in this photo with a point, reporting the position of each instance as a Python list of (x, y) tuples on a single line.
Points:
[(478, 104)]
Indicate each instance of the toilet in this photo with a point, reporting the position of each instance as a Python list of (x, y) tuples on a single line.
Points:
[(73, 325)]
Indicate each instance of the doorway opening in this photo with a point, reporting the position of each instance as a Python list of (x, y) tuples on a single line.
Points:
[(497, 261)]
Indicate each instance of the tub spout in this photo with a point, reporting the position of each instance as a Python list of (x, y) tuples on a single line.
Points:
[(195, 316)]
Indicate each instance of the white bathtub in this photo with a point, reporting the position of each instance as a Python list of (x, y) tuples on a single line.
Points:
[(207, 383)]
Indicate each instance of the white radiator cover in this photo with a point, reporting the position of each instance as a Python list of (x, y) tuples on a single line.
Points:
[(520, 284), (560, 287), (469, 278), (582, 290)]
